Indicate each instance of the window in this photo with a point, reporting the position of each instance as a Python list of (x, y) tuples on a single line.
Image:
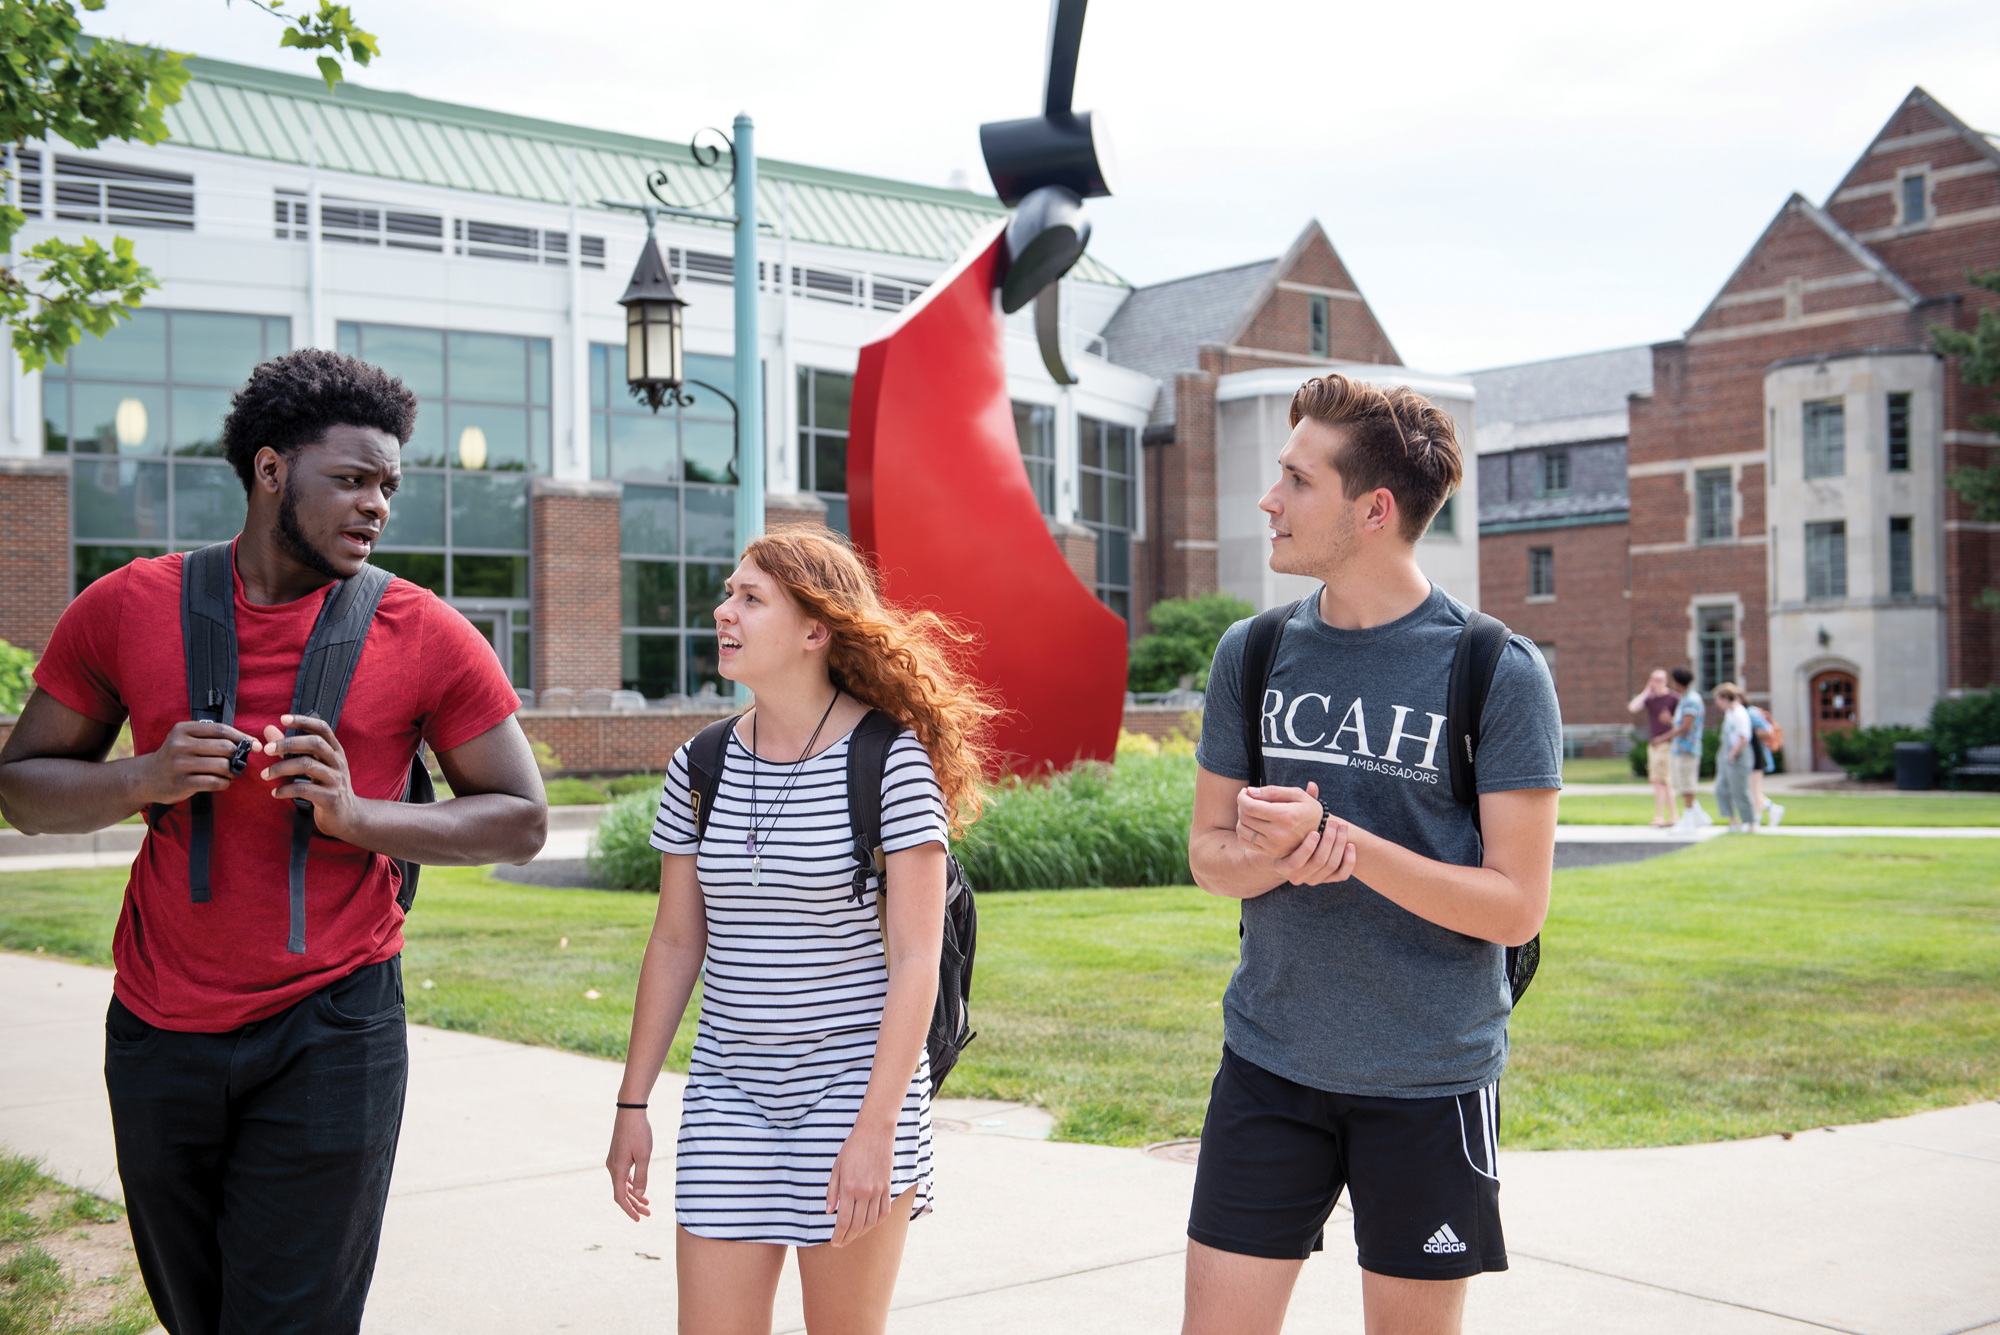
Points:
[(1444, 524), (1899, 433), (1035, 427), (505, 241), (1826, 560), (1902, 558), (1714, 506), (676, 524), (1717, 634), (825, 398), (1321, 324), (1106, 459), (1826, 438), (1555, 473), (1913, 199), (459, 526), (116, 195), (139, 413), (1541, 572), (25, 164)]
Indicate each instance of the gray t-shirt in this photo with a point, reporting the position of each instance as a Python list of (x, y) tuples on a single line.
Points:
[(1338, 988)]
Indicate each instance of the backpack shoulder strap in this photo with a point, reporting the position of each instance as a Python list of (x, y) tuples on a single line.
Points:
[(208, 638), (1260, 651), (705, 758), (867, 760), (325, 672), (1472, 667)]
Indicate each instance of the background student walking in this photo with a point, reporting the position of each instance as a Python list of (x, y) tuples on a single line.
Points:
[(806, 1120), (1657, 702), (1684, 752), (1766, 739), (1734, 761)]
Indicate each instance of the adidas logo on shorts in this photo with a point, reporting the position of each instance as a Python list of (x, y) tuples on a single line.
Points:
[(1443, 1242)]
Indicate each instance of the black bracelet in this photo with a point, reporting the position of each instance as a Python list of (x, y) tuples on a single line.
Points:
[(1323, 815), (632, 1105)]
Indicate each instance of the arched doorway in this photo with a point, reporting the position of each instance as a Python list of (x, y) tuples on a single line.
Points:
[(1833, 710)]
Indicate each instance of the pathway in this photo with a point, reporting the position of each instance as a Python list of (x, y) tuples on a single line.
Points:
[(501, 1221)]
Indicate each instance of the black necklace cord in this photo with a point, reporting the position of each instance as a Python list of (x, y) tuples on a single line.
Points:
[(756, 837)]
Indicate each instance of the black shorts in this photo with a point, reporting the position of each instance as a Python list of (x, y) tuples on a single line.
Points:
[(1421, 1173)]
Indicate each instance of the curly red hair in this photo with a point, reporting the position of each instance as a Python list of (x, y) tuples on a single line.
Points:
[(909, 665)]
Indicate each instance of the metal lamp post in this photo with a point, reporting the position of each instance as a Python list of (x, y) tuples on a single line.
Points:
[(654, 366)]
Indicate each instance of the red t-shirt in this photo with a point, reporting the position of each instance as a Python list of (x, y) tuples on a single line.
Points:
[(424, 672), (1660, 709)]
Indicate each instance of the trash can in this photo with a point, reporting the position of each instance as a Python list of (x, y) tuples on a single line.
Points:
[(1916, 766)]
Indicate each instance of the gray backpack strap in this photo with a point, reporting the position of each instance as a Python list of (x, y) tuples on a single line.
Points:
[(208, 635), (320, 691)]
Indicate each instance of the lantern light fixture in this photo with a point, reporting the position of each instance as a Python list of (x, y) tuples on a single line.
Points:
[(654, 366)]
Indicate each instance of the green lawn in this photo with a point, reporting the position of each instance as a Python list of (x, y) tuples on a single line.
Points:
[(1583, 808), (97, 1292), (1729, 990), (1614, 770)]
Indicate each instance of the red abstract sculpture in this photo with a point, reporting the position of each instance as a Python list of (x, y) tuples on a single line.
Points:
[(938, 495)]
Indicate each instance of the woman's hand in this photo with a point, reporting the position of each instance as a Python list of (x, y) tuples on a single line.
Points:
[(631, 1154), (859, 1187)]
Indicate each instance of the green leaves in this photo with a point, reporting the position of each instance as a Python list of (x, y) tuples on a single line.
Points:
[(55, 81), (58, 84), (331, 29), (78, 288)]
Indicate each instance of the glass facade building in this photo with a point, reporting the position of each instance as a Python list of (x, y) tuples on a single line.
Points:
[(459, 525), (139, 413), (676, 521)]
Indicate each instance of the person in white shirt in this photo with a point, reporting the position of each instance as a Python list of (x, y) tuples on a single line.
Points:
[(1734, 760)]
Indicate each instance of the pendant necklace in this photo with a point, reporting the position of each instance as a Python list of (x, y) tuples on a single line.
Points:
[(751, 840)]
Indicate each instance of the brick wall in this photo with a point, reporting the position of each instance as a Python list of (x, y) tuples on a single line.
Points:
[(1078, 545), (1589, 620), (576, 584), (1181, 493), (782, 510), (615, 741), (34, 516)]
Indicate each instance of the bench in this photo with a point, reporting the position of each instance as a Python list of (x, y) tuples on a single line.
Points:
[(1981, 760)]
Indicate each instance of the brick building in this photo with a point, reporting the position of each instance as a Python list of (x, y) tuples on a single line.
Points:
[(1554, 524), (1790, 527), (1229, 348)]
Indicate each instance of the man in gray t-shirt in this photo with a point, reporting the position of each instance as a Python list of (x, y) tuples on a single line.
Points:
[(1365, 1027)]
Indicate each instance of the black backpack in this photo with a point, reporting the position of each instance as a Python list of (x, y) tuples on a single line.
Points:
[(208, 631), (1472, 668), (867, 757)]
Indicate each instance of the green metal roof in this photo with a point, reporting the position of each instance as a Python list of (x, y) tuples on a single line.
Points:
[(262, 113)]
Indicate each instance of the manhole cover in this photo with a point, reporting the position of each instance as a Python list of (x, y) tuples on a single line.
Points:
[(951, 1124), (1175, 1151)]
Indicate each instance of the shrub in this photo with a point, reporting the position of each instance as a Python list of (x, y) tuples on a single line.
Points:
[(572, 793), (620, 856), (1638, 757), (1090, 825), (1869, 754), (1959, 725), (1182, 643), (16, 685), (636, 783)]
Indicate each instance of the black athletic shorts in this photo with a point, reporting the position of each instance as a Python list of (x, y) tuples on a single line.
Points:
[(1421, 1173)]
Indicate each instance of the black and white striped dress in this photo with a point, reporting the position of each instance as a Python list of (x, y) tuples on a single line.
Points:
[(792, 993)]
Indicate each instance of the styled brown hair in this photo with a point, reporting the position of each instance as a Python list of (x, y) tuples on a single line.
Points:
[(906, 664), (1393, 438)]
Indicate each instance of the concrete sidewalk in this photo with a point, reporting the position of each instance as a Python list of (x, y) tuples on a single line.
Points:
[(501, 1219)]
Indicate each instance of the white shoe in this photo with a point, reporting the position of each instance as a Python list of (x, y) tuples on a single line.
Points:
[(1777, 813), (1698, 818)]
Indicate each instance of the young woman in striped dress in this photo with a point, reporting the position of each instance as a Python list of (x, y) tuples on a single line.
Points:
[(806, 1122)]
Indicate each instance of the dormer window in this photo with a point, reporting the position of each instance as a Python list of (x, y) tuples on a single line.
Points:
[(1915, 208)]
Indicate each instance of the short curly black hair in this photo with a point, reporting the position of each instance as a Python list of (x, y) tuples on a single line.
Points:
[(292, 400)]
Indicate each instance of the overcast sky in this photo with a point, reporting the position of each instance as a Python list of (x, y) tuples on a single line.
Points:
[(1505, 182)]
